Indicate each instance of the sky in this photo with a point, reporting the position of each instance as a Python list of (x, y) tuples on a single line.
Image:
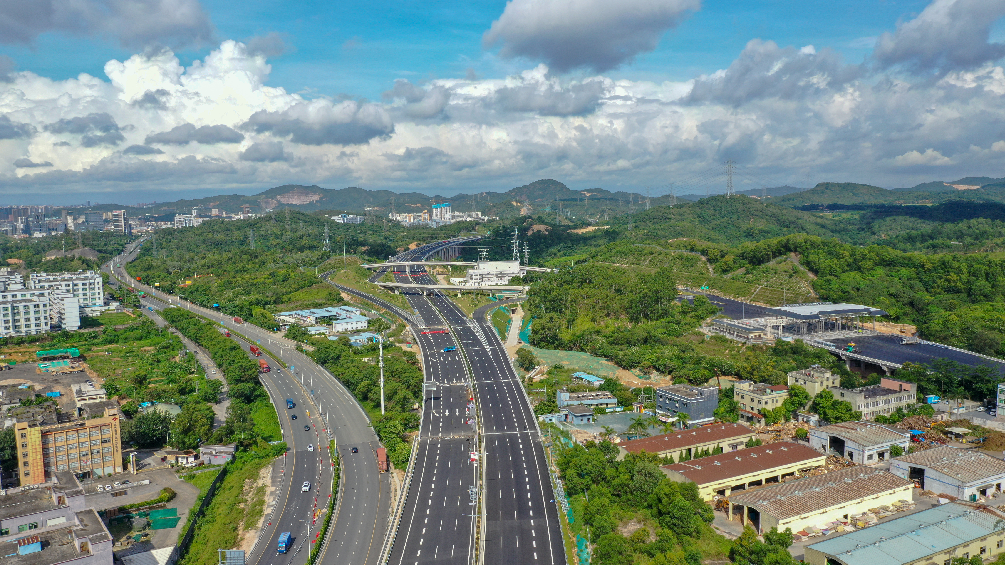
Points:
[(155, 99)]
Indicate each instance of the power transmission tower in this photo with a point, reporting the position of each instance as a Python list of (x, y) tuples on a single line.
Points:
[(251, 238), (516, 244), (328, 246), (526, 253), (673, 195), (729, 177), (647, 198)]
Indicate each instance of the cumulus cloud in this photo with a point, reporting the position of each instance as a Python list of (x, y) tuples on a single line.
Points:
[(26, 163), (95, 129), (914, 158), (134, 23), (187, 133), (320, 122), (155, 99), (10, 129), (539, 94), (142, 150), (947, 35), (595, 34), (269, 46), (265, 152), (419, 102), (765, 70)]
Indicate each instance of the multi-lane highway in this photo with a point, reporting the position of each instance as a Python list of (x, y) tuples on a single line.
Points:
[(360, 522), (520, 517)]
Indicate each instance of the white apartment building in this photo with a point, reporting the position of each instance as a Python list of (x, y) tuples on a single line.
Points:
[(25, 312), (87, 286)]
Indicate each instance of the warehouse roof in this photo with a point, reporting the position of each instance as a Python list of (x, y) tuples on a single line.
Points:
[(914, 537), (687, 438), (864, 433), (762, 458), (824, 310), (966, 465), (813, 494)]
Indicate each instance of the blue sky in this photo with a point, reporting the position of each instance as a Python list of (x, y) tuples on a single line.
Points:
[(456, 96)]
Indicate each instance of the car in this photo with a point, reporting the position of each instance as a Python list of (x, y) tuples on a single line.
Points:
[(117, 483), (214, 371), (992, 412), (293, 417), (125, 482), (310, 447), (980, 408), (101, 488), (451, 348), (108, 487), (305, 487), (307, 428), (355, 450)]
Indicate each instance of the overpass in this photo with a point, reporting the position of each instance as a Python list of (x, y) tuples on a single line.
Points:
[(432, 288), (417, 264)]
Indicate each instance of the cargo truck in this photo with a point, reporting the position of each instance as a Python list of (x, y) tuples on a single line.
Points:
[(263, 366), (284, 542), (255, 351), (382, 463), (238, 320)]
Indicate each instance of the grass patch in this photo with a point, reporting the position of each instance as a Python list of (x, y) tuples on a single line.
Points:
[(471, 301), (110, 318), (500, 321), (266, 420), (256, 508), (356, 277), (202, 481)]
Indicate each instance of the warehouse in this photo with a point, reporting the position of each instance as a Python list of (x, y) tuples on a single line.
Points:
[(818, 500), (757, 466), (859, 442), (937, 535), (725, 436), (961, 473)]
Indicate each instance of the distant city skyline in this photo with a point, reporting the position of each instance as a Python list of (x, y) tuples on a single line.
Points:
[(203, 97)]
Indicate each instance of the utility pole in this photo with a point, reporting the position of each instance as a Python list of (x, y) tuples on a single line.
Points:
[(251, 238), (381, 372), (729, 177), (327, 246), (526, 254), (516, 244)]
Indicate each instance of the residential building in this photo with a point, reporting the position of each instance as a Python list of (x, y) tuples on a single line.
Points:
[(36, 510), (24, 312), (727, 437), (347, 219), (962, 473), (860, 442), (753, 398), (882, 399), (757, 466), (818, 500), (350, 324), (599, 398), (84, 447), (441, 212), (87, 286), (934, 536), (216, 454), (120, 221), (814, 379), (697, 403)]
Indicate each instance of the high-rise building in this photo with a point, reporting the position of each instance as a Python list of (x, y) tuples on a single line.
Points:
[(25, 312), (120, 222), (87, 286), (91, 448)]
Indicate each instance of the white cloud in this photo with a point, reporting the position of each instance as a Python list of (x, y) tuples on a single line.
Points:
[(914, 158)]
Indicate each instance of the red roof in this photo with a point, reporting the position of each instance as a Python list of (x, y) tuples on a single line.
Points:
[(686, 438), (707, 470)]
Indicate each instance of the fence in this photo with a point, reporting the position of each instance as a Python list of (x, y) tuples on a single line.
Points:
[(186, 541)]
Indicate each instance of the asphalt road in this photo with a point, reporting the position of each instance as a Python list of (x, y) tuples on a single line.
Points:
[(361, 514), (522, 524)]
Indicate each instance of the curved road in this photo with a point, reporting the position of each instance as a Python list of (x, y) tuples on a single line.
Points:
[(361, 513)]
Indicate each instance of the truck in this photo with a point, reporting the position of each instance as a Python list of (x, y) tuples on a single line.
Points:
[(255, 351), (382, 463), (225, 332), (263, 366), (290, 404), (932, 399), (284, 542), (238, 320)]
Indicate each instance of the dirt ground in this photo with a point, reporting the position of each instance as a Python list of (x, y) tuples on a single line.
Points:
[(250, 531), (897, 329), (589, 229)]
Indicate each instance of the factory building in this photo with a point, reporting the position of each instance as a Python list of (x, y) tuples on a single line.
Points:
[(726, 437), (859, 442), (963, 473), (818, 500), (88, 447), (697, 403), (757, 466), (934, 536)]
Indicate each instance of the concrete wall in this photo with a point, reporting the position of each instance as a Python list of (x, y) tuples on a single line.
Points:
[(970, 549), (867, 455), (839, 512)]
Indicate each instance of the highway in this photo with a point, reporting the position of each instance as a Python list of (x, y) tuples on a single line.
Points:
[(521, 518), (362, 511)]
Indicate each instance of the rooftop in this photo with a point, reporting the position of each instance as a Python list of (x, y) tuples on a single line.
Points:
[(813, 494), (912, 537), (330, 311), (726, 465), (966, 465), (827, 310), (687, 438), (26, 503), (873, 391), (578, 410), (864, 433), (687, 391), (59, 546), (591, 395)]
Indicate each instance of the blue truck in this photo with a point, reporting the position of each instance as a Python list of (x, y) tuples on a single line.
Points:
[(289, 403), (284, 542), (451, 348)]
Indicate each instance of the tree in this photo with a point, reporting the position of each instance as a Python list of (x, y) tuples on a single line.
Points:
[(639, 426), (682, 420), (728, 409), (148, 429), (8, 449), (802, 434), (526, 360), (833, 410), (896, 450), (608, 433), (797, 400), (192, 426)]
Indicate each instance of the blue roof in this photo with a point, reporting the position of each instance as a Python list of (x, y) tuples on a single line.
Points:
[(588, 377), (336, 311), (913, 537)]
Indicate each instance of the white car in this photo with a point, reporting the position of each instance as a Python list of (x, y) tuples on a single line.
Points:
[(310, 447), (101, 488), (306, 486)]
